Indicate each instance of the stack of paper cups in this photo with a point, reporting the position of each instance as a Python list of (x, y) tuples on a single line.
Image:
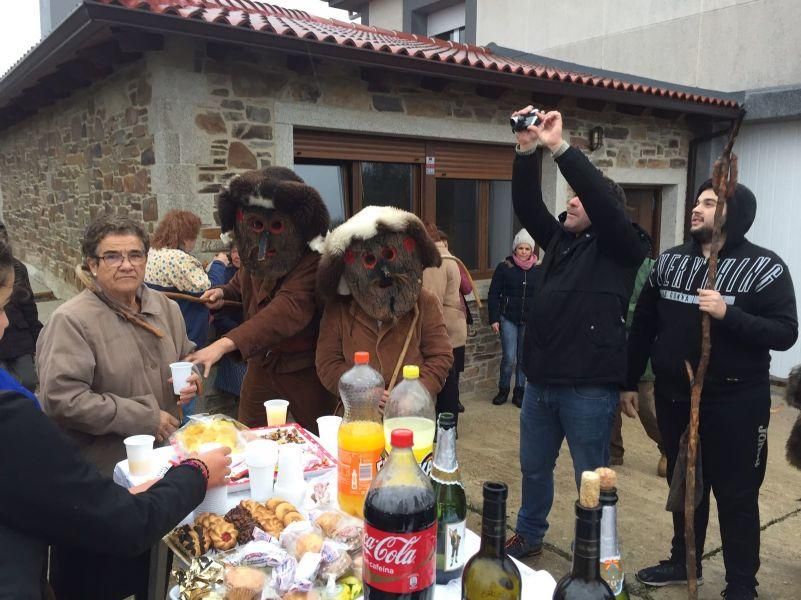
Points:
[(290, 484), (260, 458), (216, 500)]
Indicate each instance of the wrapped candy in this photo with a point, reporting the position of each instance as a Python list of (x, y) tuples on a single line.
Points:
[(200, 580)]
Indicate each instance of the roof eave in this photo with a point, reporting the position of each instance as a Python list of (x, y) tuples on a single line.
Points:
[(90, 18), (68, 37)]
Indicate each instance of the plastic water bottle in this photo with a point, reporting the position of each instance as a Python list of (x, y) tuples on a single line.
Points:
[(360, 439), (411, 406)]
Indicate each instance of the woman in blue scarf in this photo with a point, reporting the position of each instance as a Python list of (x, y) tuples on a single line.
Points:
[(51, 495)]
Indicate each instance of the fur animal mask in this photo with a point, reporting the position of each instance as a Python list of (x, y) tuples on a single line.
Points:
[(378, 257), (272, 215)]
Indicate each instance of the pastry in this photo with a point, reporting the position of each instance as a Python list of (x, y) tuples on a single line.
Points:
[(273, 502), (244, 583), (284, 509), (292, 517), (241, 518), (223, 535), (192, 539), (329, 521), (310, 542)]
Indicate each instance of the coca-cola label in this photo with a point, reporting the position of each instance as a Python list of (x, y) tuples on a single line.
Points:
[(401, 563)]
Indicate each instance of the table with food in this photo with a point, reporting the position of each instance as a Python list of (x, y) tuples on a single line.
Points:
[(342, 516)]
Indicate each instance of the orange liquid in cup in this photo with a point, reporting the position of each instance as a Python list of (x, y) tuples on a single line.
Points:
[(361, 444)]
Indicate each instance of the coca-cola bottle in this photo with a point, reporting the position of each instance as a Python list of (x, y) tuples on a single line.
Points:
[(400, 528)]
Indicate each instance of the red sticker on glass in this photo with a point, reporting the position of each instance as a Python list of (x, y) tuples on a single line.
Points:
[(401, 563)]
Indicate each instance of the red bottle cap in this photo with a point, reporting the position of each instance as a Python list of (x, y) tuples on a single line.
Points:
[(402, 438), (361, 358)]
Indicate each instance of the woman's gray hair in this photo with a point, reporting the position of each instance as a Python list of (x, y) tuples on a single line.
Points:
[(108, 225)]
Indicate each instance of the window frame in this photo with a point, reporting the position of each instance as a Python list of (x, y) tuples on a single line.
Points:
[(458, 160)]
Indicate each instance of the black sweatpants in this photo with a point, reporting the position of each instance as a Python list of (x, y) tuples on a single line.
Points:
[(734, 446)]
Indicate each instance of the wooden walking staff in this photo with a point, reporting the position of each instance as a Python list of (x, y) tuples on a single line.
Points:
[(724, 182)]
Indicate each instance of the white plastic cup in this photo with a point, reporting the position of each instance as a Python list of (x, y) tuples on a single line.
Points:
[(139, 449), (276, 412), (216, 499), (290, 484), (180, 373), (260, 458), (328, 428)]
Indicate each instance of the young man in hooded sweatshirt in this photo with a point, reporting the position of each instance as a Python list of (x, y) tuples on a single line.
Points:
[(574, 354), (753, 311)]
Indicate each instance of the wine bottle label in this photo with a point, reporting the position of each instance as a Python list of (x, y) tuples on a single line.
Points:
[(400, 563), (454, 546), (357, 470)]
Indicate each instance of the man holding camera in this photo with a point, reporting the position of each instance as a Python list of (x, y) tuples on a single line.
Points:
[(575, 343)]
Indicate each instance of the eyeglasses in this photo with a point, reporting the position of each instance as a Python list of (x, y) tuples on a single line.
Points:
[(115, 259)]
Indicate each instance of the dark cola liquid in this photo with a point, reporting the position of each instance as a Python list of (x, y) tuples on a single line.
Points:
[(400, 509)]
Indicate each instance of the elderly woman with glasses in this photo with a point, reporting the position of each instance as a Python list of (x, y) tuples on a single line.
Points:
[(103, 357)]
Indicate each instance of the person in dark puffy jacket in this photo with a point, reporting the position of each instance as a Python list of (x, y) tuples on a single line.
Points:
[(509, 299), (18, 344)]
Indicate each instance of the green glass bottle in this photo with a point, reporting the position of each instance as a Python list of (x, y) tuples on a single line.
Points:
[(490, 573), (451, 502)]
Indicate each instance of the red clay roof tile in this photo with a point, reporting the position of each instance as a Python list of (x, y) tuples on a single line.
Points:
[(268, 18)]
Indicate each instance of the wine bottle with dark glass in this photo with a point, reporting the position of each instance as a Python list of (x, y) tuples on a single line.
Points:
[(584, 581), (490, 573), (451, 502)]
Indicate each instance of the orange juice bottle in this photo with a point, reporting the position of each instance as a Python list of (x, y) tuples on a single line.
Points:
[(361, 434)]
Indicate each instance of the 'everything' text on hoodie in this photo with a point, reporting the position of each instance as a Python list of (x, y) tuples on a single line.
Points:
[(576, 326), (760, 314)]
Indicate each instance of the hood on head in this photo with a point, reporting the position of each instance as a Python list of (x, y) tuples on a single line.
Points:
[(740, 211)]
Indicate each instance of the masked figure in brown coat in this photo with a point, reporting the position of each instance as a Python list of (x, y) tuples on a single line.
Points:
[(276, 221), (370, 277)]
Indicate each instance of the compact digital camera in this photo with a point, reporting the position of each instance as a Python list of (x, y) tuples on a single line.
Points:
[(522, 122)]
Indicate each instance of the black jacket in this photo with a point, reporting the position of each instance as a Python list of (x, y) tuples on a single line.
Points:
[(510, 292), (760, 314), (582, 287), (23, 319), (51, 495)]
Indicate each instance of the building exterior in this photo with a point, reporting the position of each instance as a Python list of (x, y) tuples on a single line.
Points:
[(138, 107)]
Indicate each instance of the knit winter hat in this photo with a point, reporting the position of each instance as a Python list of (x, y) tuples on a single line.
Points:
[(522, 237)]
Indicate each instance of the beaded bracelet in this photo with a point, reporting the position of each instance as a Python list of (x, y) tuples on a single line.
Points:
[(198, 464)]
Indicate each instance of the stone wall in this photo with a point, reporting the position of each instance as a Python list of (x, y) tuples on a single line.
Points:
[(482, 357), (89, 154)]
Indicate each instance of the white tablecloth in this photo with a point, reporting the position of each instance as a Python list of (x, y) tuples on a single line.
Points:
[(537, 585)]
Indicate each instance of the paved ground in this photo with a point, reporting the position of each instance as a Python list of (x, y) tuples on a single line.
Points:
[(488, 449)]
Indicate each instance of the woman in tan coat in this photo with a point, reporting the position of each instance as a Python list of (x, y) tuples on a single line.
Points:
[(370, 276), (445, 282), (103, 358)]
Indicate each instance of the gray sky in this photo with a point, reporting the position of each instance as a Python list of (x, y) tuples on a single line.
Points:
[(19, 24)]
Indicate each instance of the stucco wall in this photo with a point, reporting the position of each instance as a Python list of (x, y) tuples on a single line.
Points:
[(727, 45)]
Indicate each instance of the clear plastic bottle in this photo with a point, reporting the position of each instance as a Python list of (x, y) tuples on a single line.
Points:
[(360, 438), (411, 406)]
